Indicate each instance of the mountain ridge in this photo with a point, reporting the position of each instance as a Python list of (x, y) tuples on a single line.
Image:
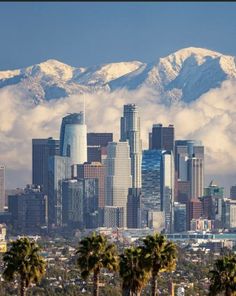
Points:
[(183, 75)]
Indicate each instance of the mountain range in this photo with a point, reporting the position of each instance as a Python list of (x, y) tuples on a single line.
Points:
[(183, 75)]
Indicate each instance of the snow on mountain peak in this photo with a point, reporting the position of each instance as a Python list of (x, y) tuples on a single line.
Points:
[(52, 68), (107, 72), (183, 75)]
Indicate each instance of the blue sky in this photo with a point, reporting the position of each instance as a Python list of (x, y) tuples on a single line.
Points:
[(84, 34)]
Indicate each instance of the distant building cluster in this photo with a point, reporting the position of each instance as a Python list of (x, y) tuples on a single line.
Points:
[(85, 180)]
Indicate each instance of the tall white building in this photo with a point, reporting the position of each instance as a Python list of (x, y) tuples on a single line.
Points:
[(73, 138), (130, 131), (118, 176), (168, 183), (2, 188)]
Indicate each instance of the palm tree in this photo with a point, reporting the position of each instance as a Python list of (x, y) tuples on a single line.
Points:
[(160, 256), (24, 259), (223, 276), (132, 271), (94, 254)]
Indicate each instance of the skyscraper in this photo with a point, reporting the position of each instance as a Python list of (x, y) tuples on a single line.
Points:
[(151, 183), (42, 149), (212, 203), (96, 143), (58, 170), (73, 138), (168, 183), (118, 176), (189, 167), (229, 213), (29, 210), (162, 137), (130, 131), (185, 149), (134, 208), (94, 170), (2, 188), (233, 192), (196, 176), (80, 203), (179, 217)]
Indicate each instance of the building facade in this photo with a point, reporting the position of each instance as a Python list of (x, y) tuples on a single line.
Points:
[(73, 138), (130, 131), (29, 211), (95, 144), (151, 183), (162, 137), (42, 149), (118, 176), (94, 170), (58, 170)]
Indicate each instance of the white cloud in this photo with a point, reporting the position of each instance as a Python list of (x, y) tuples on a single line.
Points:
[(211, 119)]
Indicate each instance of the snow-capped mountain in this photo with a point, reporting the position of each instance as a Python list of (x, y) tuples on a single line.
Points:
[(183, 75)]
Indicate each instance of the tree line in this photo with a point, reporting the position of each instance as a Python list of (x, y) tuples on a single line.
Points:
[(137, 265)]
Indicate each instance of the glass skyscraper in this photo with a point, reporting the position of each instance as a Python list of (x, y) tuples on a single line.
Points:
[(42, 149), (73, 138), (151, 182)]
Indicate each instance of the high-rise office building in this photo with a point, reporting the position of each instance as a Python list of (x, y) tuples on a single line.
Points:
[(58, 170), (42, 149), (94, 170), (134, 208), (212, 203), (194, 210), (168, 182), (130, 131), (29, 211), (183, 191), (99, 139), (2, 188), (118, 176), (162, 137), (151, 183), (73, 138), (196, 176), (113, 217), (72, 203), (229, 213), (96, 143), (233, 192), (189, 155), (80, 203), (180, 213)]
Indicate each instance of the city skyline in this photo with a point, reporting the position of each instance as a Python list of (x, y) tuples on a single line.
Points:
[(199, 90)]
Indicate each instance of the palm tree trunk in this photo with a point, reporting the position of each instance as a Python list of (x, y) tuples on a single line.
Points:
[(228, 292), (154, 284), (22, 288), (96, 283), (126, 292)]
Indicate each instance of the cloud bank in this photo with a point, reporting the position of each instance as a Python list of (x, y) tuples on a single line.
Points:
[(211, 118)]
